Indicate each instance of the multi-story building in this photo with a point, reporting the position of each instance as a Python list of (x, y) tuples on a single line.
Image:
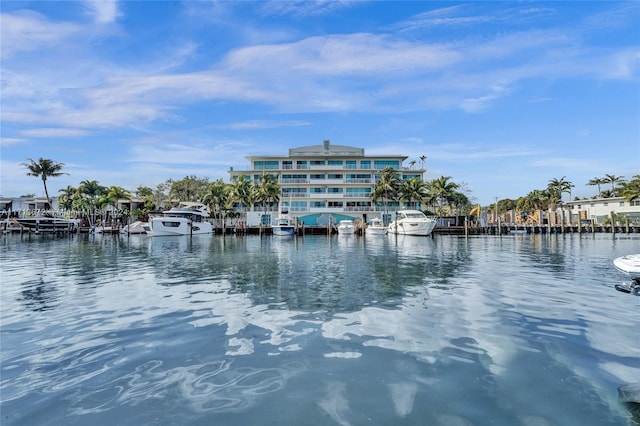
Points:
[(600, 209), (326, 183)]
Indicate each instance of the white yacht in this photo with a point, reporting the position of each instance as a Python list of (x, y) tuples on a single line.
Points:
[(411, 222), (346, 227), (137, 227), (376, 227), (630, 265), (186, 219)]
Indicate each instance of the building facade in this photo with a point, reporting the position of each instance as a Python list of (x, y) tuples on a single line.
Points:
[(600, 209), (326, 183)]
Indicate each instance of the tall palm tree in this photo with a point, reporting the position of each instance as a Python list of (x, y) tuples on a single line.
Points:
[(441, 191), (556, 187), (267, 190), (422, 158), (217, 199), (387, 187), (44, 168), (413, 191), (613, 180), (596, 182)]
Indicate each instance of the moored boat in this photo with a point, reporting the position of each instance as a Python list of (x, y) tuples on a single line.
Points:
[(411, 222), (376, 227), (137, 227), (283, 226), (186, 219), (48, 223), (346, 227)]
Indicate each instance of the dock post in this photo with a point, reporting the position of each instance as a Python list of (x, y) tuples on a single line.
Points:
[(613, 222)]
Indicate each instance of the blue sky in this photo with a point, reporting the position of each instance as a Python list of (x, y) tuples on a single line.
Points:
[(501, 96)]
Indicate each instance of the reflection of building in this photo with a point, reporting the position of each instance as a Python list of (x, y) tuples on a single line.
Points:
[(599, 209), (322, 183)]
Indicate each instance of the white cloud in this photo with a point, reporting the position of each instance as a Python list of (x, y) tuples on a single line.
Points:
[(28, 31), (54, 133), (103, 11)]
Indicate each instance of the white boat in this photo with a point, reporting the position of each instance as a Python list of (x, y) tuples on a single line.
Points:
[(629, 264), (411, 222), (49, 223), (137, 227), (186, 219), (376, 227), (346, 227), (283, 226)]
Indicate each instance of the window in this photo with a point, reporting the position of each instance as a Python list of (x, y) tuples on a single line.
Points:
[(287, 164), (317, 190), (301, 164), (335, 204), (365, 164), (621, 203), (317, 162), (351, 164), (334, 176), (381, 164), (265, 165), (318, 204), (335, 162), (316, 176), (334, 190)]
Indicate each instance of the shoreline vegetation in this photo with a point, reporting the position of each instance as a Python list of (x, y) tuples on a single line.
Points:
[(227, 203)]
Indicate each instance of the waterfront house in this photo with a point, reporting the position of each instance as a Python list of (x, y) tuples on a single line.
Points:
[(326, 183), (600, 209)]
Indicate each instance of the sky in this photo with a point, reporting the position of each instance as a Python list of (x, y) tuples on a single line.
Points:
[(500, 96)]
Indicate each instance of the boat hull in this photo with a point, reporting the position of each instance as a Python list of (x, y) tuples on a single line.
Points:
[(48, 223), (376, 230), (629, 264), (167, 226), (419, 228), (283, 231)]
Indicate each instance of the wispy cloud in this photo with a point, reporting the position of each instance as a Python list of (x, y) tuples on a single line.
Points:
[(265, 124), (102, 11), (54, 133), (29, 31)]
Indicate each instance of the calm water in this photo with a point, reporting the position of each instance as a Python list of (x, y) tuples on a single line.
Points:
[(525, 330)]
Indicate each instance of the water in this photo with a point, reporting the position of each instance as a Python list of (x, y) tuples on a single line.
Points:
[(525, 330)]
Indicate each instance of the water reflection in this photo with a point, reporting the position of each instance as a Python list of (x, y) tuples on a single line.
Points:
[(354, 330)]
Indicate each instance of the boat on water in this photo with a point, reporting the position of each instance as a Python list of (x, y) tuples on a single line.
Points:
[(49, 223), (411, 222), (185, 219), (283, 226), (346, 227), (630, 265), (137, 227), (376, 227)]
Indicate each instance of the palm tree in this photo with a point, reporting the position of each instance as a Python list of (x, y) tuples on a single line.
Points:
[(631, 190), (65, 200), (422, 158), (217, 199), (387, 187), (613, 180), (241, 192), (412, 163), (267, 190), (556, 187), (596, 182), (413, 191), (441, 191), (44, 168)]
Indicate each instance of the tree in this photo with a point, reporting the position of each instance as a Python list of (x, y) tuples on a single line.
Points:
[(413, 191), (241, 191), (613, 180), (556, 187), (217, 199), (65, 200), (442, 191), (44, 168), (631, 190), (596, 182), (190, 188), (267, 190), (387, 187)]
